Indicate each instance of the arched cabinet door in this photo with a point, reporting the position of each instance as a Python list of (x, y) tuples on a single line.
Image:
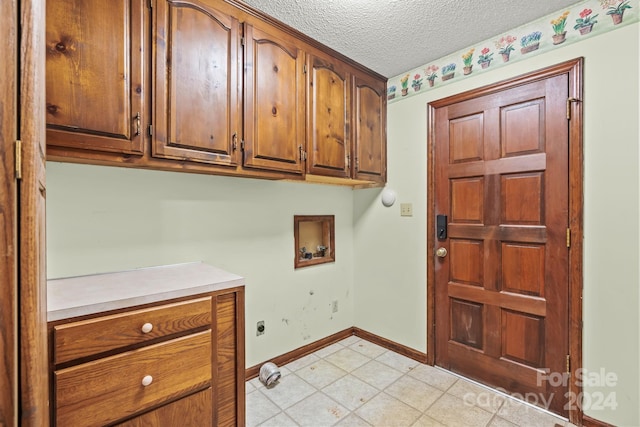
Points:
[(196, 109), (370, 136), (328, 117), (274, 110)]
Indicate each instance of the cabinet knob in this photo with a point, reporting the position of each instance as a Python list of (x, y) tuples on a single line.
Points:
[(147, 327), (146, 380)]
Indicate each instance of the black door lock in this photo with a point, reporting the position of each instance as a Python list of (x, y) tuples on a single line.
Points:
[(441, 227)]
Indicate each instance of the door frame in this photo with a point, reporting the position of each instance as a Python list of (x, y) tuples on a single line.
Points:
[(574, 69)]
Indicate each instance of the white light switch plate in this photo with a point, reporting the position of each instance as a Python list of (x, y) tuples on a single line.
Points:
[(406, 209)]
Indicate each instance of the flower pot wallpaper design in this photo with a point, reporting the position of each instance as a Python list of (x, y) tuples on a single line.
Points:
[(467, 60), (530, 42), (558, 25), (615, 8), (485, 58), (582, 20), (559, 38)]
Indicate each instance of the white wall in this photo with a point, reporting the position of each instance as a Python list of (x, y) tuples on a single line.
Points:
[(390, 285), (106, 219)]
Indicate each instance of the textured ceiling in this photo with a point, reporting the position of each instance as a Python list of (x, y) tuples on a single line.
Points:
[(393, 36)]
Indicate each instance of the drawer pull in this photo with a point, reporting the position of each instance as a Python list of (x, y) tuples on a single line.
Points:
[(147, 327), (146, 380)]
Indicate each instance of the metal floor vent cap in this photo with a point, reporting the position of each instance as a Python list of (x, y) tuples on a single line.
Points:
[(269, 374)]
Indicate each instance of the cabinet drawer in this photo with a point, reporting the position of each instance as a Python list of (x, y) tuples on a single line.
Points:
[(107, 390), (194, 410), (94, 336)]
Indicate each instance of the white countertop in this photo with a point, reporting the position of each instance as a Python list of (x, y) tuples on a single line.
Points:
[(82, 295)]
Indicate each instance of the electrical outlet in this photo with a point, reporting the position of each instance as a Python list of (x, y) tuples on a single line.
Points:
[(406, 209), (334, 306), (260, 328)]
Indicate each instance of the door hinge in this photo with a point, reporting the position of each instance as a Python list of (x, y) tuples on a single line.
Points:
[(569, 101), (234, 141), (568, 237), (242, 145), (241, 41), (150, 4), (304, 69), (18, 159), (150, 130), (568, 365), (303, 154), (348, 161), (357, 164)]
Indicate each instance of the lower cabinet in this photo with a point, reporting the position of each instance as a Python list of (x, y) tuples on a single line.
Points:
[(175, 362)]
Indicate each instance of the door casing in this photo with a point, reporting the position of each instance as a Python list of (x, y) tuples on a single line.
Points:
[(574, 69)]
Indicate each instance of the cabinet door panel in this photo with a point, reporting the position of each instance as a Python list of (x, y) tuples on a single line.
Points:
[(94, 74), (370, 129), (328, 112), (274, 102), (230, 409), (196, 83)]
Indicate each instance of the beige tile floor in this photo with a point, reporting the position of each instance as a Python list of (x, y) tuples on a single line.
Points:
[(357, 383)]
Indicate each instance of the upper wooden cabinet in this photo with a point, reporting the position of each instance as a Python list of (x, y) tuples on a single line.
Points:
[(95, 75), (328, 117), (274, 111), (208, 86), (370, 129), (196, 108)]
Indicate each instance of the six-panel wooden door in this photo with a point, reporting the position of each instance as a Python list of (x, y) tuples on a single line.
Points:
[(501, 296)]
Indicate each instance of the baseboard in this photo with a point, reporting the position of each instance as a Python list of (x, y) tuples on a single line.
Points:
[(391, 345), (299, 353), (592, 422)]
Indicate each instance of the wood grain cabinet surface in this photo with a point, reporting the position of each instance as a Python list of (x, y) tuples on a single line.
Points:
[(95, 74), (370, 129), (274, 136), (196, 83), (208, 86), (152, 365), (328, 117), (105, 390)]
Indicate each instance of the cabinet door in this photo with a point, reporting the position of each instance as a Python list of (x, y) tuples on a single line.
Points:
[(196, 83), (328, 110), (370, 137), (95, 88), (274, 101), (228, 369)]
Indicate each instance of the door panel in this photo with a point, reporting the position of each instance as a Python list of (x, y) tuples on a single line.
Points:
[(9, 376), (501, 292), (95, 74), (329, 108), (370, 129), (196, 69), (34, 378), (274, 102)]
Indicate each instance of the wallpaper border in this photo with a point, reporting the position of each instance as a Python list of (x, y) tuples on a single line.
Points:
[(578, 22)]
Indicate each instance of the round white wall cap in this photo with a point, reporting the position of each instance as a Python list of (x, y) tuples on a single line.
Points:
[(388, 197)]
